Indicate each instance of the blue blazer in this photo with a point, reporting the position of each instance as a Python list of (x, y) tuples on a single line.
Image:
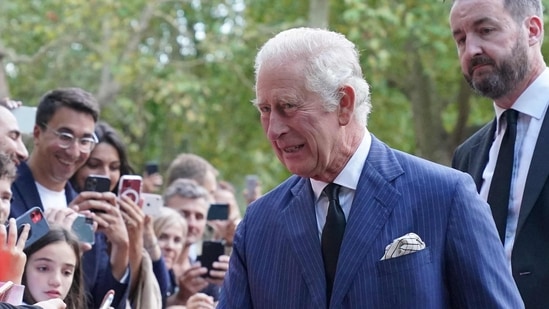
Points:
[(277, 261), (98, 278)]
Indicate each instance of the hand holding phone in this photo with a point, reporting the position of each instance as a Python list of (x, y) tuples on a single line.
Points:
[(211, 251), (39, 227)]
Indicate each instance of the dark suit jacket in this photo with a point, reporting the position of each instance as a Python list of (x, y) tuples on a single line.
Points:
[(530, 256), (96, 265), (277, 261)]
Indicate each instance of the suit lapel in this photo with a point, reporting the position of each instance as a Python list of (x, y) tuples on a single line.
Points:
[(478, 156), (25, 191), (373, 203), (299, 220), (538, 174)]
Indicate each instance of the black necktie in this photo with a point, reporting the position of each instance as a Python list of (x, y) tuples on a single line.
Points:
[(332, 235), (498, 196)]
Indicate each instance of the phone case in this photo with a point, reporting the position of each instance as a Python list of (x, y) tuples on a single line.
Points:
[(97, 183), (83, 229), (211, 250), (38, 224), (130, 185), (152, 203)]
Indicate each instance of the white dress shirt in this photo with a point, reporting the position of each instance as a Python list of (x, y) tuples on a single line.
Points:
[(347, 179), (532, 107)]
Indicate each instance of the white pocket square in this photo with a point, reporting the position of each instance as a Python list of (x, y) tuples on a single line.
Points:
[(403, 245)]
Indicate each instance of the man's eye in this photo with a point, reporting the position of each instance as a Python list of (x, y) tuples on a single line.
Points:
[(66, 137)]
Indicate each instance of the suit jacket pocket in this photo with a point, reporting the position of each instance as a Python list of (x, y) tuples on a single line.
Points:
[(404, 263)]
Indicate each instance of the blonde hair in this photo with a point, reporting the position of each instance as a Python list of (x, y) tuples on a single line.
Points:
[(167, 217)]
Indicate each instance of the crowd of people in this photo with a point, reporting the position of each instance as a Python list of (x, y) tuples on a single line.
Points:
[(357, 225), (148, 261)]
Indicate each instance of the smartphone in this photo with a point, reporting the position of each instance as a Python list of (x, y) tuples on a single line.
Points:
[(130, 186), (211, 250), (83, 229), (218, 212), (38, 225), (152, 204), (252, 181), (151, 167), (26, 116), (97, 183)]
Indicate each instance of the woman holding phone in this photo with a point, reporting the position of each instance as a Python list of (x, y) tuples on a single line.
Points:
[(109, 158)]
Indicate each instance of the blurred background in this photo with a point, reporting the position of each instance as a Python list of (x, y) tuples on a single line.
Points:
[(176, 76)]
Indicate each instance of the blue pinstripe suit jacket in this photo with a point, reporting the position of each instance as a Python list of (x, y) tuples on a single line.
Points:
[(277, 260)]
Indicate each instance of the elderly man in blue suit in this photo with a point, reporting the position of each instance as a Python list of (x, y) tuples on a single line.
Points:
[(397, 232)]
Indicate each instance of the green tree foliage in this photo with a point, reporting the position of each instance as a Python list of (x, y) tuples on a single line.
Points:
[(177, 75)]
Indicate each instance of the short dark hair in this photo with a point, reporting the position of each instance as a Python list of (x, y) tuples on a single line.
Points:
[(73, 98), (7, 167)]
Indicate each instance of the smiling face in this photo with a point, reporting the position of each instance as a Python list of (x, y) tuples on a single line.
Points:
[(52, 165), (194, 210), (306, 138), (104, 161), (10, 137), (492, 46), (49, 271)]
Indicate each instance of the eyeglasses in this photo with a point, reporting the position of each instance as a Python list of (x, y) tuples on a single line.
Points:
[(66, 140)]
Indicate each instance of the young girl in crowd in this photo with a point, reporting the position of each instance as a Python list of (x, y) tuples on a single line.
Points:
[(109, 158), (53, 269)]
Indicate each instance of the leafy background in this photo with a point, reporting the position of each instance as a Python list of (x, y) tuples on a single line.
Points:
[(177, 75)]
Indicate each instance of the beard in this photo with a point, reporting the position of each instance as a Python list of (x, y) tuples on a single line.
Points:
[(504, 77)]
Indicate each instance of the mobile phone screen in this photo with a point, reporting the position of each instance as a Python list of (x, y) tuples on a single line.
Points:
[(218, 212)]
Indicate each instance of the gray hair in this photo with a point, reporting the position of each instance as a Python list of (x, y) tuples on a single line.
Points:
[(330, 61), (186, 188)]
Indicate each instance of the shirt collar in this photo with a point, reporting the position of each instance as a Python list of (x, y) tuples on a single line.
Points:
[(533, 101), (350, 174)]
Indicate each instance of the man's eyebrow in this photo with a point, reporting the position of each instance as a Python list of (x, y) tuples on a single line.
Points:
[(69, 130), (476, 23)]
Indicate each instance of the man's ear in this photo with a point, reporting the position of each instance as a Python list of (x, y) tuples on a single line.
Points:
[(534, 26), (36, 133), (346, 104)]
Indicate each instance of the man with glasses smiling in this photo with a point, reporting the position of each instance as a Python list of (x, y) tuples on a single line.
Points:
[(63, 139), (66, 140)]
